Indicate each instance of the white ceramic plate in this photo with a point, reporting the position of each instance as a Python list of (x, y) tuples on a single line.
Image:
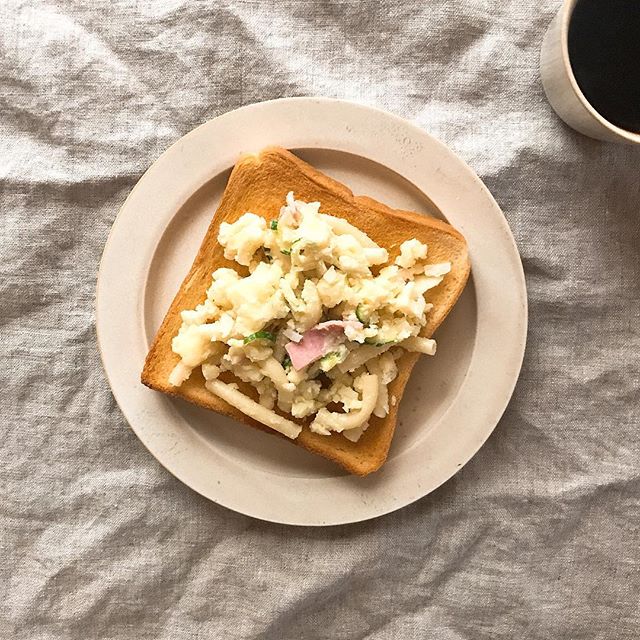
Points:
[(453, 401)]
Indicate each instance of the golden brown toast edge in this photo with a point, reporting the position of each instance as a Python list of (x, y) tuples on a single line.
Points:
[(259, 183)]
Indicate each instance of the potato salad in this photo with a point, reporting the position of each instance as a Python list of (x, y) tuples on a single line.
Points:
[(313, 317)]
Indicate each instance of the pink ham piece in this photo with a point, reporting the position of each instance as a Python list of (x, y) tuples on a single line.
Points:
[(318, 341)]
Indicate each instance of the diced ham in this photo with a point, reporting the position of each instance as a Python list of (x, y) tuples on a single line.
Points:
[(318, 341)]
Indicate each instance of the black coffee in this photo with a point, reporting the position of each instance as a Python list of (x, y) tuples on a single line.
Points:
[(604, 51)]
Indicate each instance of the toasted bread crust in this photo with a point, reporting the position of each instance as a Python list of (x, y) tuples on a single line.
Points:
[(259, 183)]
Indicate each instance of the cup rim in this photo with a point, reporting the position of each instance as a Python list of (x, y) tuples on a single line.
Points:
[(566, 13)]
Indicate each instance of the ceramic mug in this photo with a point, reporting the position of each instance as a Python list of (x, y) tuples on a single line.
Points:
[(562, 89)]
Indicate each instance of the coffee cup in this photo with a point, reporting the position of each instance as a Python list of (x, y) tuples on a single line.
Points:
[(589, 70)]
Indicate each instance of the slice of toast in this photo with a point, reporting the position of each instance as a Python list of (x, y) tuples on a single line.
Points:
[(260, 183)]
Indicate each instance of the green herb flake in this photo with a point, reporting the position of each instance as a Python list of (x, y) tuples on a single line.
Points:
[(260, 335), (287, 252)]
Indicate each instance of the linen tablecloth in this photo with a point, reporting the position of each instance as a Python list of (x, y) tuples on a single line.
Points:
[(537, 537)]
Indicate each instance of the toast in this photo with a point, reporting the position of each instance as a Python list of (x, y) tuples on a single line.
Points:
[(259, 183)]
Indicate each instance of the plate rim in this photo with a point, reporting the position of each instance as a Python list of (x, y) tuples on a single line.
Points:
[(412, 132)]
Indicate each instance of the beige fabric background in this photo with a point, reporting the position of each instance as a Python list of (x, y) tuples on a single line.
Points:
[(536, 538)]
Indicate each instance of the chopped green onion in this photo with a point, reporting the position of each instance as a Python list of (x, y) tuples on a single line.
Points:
[(274, 225), (287, 252), (260, 335), (286, 362)]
